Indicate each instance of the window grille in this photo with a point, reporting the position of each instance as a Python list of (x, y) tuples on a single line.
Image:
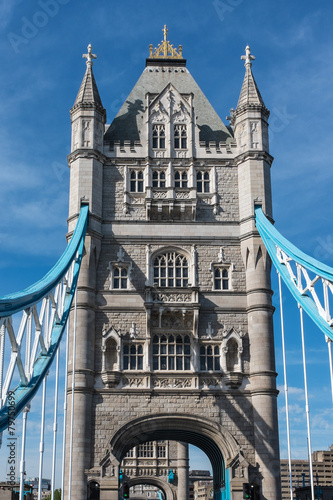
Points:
[(171, 352), (180, 136), (158, 136), (180, 179), (158, 178), (171, 270), (120, 277), (136, 181), (209, 358), (146, 450), (133, 357), (203, 184), (221, 278)]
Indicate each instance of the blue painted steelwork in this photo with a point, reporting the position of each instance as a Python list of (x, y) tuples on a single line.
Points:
[(273, 239), (35, 293), (224, 493), (15, 302)]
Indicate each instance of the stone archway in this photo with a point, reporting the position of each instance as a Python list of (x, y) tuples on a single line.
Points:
[(154, 481), (214, 440)]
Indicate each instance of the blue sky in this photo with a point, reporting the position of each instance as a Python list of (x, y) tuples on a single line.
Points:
[(41, 46)]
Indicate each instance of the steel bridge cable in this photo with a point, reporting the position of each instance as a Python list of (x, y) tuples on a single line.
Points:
[(56, 291), (307, 408), (65, 414), (285, 387), (55, 425)]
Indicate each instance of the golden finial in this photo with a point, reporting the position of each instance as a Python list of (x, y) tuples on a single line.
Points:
[(165, 31), (165, 50)]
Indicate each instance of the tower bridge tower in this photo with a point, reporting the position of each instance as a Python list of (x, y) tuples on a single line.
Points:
[(174, 313)]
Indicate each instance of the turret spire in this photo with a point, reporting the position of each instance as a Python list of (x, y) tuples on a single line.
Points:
[(88, 93), (249, 94)]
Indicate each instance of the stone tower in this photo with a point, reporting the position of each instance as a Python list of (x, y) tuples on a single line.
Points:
[(174, 335)]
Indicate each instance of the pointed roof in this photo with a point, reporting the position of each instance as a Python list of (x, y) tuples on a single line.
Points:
[(88, 93), (249, 95)]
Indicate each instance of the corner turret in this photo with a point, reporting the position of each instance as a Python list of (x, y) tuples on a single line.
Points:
[(251, 115), (88, 116), (86, 160)]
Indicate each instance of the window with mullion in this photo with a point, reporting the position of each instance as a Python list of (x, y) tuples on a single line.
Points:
[(203, 182), (158, 178), (209, 358), (180, 136), (171, 269), (221, 278), (158, 136), (180, 179), (171, 353), (120, 277), (133, 357), (136, 181)]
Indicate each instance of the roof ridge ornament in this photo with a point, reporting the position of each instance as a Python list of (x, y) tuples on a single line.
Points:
[(248, 57), (165, 50), (90, 56)]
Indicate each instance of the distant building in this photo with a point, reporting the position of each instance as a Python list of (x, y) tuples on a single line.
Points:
[(324, 493), (12, 491), (46, 487), (322, 464), (201, 485)]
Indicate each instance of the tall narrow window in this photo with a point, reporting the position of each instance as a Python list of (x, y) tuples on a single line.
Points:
[(203, 182), (158, 178), (171, 352), (133, 357), (161, 449), (158, 136), (136, 178), (221, 278), (120, 277), (180, 179), (209, 358), (180, 136), (171, 270)]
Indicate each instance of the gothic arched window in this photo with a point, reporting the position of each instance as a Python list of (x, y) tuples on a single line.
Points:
[(171, 352), (203, 185), (209, 358), (180, 136), (171, 269), (221, 278), (133, 357), (158, 136), (120, 277), (180, 179), (136, 181), (158, 178)]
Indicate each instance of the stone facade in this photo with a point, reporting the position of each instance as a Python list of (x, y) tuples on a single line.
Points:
[(174, 315)]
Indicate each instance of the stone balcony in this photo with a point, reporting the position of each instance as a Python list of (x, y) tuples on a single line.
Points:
[(176, 298)]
